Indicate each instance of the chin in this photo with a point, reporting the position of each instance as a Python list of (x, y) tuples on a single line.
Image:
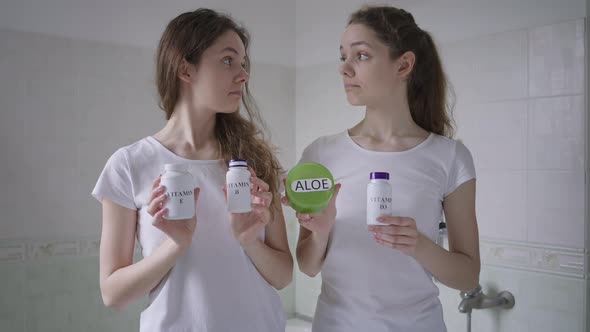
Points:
[(229, 109), (355, 101)]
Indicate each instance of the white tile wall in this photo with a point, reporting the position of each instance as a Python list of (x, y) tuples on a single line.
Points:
[(492, 68), (556, 133), (494, 142), (555, 208), (556, 59), (501, 204)]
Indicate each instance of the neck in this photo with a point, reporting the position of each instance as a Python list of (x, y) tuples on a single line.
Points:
[(190, 133), (388, 119)]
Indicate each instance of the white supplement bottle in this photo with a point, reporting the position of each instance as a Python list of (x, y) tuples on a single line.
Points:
[(179, 185), (378, 197), (238, 187)]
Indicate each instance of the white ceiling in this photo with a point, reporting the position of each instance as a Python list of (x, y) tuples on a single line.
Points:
[(141, 22), (287, 32), (320, 23)]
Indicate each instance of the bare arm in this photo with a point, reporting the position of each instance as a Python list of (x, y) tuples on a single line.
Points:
[(458, 267), (314, 233), (311, 251), (272, 257), (121, 281)]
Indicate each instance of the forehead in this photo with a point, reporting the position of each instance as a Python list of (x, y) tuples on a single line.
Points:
[(229, 39), (357, 33)]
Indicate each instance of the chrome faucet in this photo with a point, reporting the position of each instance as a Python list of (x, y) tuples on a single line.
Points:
[(476, 299)]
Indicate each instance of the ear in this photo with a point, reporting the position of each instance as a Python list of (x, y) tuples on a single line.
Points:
[(405, 64), (184, 71)]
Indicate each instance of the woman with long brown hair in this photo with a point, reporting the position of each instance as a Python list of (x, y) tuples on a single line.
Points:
[(220, 273), (379, 277)]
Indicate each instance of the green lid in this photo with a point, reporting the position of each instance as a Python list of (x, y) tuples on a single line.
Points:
[(309, 187)]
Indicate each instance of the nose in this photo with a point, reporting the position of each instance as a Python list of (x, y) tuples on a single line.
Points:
[(242, 76), (345, 69)]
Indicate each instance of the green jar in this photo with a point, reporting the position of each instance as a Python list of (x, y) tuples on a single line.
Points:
[(309, 187)]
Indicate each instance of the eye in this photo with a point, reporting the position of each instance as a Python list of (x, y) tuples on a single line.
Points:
[(362, 56), (228, 61), (342, 58)]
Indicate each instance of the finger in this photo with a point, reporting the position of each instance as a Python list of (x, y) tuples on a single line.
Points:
[(392, 230), (264, 196), (336, 191), (196, 193), (259, 184), (159, 190), (402, 247), (224, 192), (263, 212), (303, 216), (396, 239), (396, 220), (156, 205), (285, 200), (305, 223), (159, 218), (156, 183), (252, 171)]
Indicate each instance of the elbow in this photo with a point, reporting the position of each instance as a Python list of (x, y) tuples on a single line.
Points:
[(470, 284), (284, 282), (304, 267), (286, 279), (309, 272), (109, 300), (472, 279)]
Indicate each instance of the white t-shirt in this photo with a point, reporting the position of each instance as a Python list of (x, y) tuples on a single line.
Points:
[(366, 286), (213, 286)]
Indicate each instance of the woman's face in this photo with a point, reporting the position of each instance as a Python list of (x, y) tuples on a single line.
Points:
[(217, 81), (368, 72)]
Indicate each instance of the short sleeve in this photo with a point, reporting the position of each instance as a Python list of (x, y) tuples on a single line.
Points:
[(115, 183), (461, 168)]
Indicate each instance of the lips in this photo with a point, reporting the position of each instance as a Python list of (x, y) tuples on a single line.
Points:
[(236, 93), (348, 86)]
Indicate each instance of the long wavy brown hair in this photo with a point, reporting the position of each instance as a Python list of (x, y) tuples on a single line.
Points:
[(427, 87), (186, 38)]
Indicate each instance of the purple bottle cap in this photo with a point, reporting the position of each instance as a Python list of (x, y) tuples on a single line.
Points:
[(379, 175), (238, 163)]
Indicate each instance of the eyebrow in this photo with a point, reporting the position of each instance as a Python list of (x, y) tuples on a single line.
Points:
[(230, 49), (358, 43)]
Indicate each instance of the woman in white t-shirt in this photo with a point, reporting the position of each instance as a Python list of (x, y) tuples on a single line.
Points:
[(379, 278), (220, 273)]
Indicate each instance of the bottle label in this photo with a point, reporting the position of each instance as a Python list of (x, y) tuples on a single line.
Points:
[(379, 203), (311, 185), (179, 201), (238, 194)]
